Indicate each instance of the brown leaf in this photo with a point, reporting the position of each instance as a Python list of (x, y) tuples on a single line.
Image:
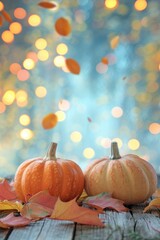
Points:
[(73, 66), (48, 5), (72, 212), (63, 26), (6, 16)]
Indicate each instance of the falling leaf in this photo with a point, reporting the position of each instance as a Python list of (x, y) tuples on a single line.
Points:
[(6, 205), (72, 65), (14, 221), (89, 119), (49, 121), (104, 200), (155, 203), (6, 191), (114, 42), (6, 16), (72, 212), (62, 26), (48, 5), (156, 193), (104, 60), (1, 21)]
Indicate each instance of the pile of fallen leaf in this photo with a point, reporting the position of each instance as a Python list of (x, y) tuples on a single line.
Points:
[(84, 210)]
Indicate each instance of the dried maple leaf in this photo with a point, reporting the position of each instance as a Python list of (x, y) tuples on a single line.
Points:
[(104, 200), (12, 221), (156, 193), (6, 191), (39, 206), (72, 212), (155, 203), (7, 205)]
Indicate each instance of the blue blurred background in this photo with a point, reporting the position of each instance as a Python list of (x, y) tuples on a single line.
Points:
[(115, 97)]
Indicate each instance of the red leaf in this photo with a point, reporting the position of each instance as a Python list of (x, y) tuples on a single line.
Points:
[(39, 206), (104, 200), (72, 212), (6, 191), (44, 198), (12, 221)]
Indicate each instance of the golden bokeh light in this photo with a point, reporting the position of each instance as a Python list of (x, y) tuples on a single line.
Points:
[(24, 120), (20, 13), (140, 5), (26, 134), (76, 136), (111, 4), (60, 115), (15, 27), (1, 6), (41, 92), (62, 49), (34, 20), (88, 153), (7, 36), (59, 61), (154, 128), (133, 144), (43, 55), (28, 64), (41, 43), (8, 97), (22, 98)]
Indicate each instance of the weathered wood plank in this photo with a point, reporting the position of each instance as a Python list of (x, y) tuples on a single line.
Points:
[(118, 226), (44, 229)]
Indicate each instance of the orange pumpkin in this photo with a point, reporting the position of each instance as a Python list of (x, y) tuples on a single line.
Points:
[(63, 178), (128, 178)]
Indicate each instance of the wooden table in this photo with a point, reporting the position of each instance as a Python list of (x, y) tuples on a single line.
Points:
[(132, 225)]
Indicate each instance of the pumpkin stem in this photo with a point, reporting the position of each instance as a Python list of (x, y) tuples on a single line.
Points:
[(114, 151), (51, 153)]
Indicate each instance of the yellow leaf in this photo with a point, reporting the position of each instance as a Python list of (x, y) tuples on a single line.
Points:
[(155, 203), (7, 205)]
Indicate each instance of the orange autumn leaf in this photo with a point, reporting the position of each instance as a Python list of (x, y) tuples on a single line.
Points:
[(1, 21), (72, 212), (7, 16), (47, 5), (63, 26), (155, 203), (104, 60), (72, 65), (49, 121), (156, 193), (114, 42), (6, 190)]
